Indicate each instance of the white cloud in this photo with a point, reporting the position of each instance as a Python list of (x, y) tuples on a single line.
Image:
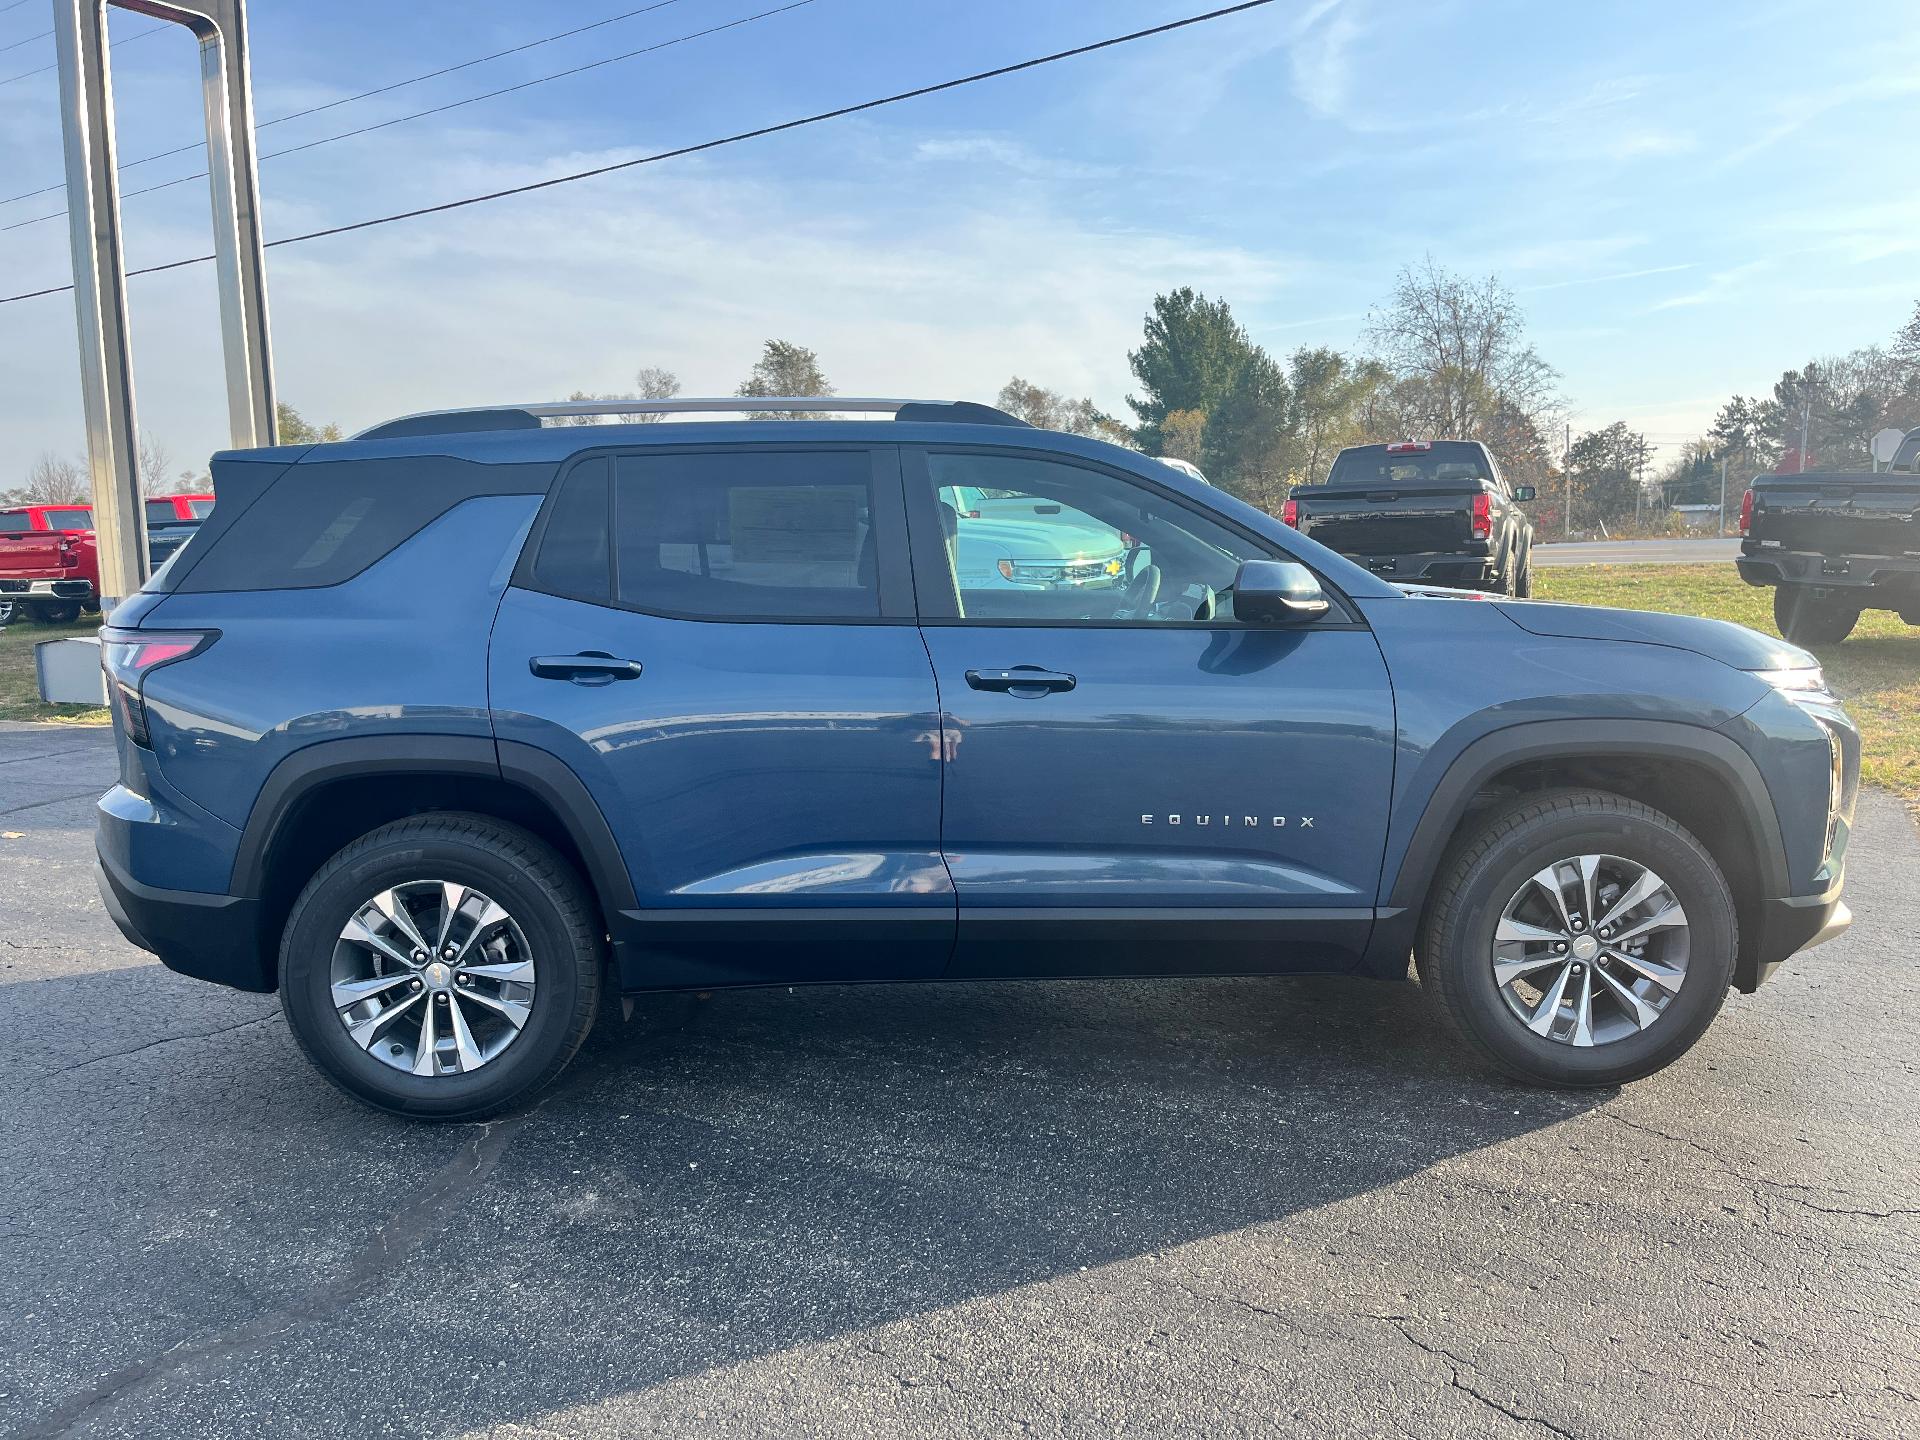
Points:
[(1321, 60), (691, 265)]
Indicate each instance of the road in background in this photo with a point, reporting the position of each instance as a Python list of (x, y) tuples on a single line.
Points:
[(1637, 552), (1224, 1208)]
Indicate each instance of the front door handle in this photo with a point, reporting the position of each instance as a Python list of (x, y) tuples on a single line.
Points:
[(591, 667), (1028, 682)]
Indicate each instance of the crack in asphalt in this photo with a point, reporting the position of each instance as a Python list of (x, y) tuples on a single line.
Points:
[(1455, 1364), (1787, 1188), (56, 800), (151, 1044), (414, 1221), (49, 755)]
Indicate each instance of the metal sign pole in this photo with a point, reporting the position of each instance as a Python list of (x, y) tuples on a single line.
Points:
[(99, 264), (100, 296)]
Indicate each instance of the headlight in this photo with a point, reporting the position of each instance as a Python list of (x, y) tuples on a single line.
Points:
[(1807, 685)]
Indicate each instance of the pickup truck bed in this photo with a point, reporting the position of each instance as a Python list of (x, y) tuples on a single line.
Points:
[(1834, 543), (1433, 511)]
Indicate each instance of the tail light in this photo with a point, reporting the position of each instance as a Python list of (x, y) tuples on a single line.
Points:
[(1290, 514), (129, 656), (1409, 447), (1746, 512), (69, 553), (1482, 516)]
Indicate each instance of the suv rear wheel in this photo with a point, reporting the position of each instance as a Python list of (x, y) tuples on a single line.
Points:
[(1579, 939), (444, 967)]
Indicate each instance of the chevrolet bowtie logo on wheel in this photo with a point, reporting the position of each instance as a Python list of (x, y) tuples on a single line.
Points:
[(1274, 822)]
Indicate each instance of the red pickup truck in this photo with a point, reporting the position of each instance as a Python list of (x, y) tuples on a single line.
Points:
[(49, 566)]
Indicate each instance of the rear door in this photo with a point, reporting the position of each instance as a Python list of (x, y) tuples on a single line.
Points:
[(1136, 782), (720, 643)]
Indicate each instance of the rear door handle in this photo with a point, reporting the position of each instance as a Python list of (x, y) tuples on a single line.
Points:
[(591, 667), (1026, 681)]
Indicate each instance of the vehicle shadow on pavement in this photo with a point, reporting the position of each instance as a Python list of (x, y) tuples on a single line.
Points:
[(716, 1180)]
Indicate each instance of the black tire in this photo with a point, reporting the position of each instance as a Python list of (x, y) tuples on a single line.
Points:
[(1523, 582), (55, 612), (6, 609), (1809, 619), (1491, 866), (522, 873)]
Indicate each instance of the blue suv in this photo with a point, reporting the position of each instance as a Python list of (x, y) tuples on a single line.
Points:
[(445, 730)]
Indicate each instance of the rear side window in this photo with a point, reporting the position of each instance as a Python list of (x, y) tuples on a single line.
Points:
[(321, 524), (15, 524), (747, 534)]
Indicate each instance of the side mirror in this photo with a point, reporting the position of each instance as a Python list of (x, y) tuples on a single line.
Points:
[(1277, 592), (1524, 492)]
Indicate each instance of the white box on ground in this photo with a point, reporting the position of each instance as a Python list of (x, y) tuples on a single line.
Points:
[(70, 672)]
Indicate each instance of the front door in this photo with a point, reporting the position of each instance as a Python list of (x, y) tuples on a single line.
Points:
[(738, 681), (1136, 782)]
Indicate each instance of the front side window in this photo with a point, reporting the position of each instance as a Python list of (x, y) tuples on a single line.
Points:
[(1034, 539), (747, 534)]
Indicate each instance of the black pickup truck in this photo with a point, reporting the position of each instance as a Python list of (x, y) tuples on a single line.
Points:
[(1433, 511), (1835, 542)]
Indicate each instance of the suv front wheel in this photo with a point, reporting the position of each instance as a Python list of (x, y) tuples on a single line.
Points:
[(444, 967), (1579, 939)]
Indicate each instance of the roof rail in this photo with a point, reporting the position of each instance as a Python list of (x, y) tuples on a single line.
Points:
[(528, 417)]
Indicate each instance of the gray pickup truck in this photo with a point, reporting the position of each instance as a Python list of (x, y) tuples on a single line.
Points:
[(1434, 512), (1833, 543)]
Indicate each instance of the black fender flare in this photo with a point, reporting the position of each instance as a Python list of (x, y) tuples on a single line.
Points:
[(1406, 889), (545, 777)]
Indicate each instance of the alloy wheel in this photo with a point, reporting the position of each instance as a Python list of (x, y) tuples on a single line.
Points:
[(433, 977), (1590, 950)]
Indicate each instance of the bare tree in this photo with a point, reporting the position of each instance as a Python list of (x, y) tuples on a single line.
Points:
[(650, 383), (1458, 351), (155, 459), (785, 369), (52, 480)]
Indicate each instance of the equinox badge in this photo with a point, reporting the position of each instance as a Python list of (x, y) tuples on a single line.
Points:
[(1276, 822)]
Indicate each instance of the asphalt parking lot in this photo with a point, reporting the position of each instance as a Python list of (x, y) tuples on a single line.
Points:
[(1214, 1208), (1678, 551)]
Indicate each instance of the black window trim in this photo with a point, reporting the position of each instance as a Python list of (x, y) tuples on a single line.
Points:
[(930, 571), (891, 549)]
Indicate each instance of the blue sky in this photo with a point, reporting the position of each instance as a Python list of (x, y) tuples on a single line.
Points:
[(1687, 199)]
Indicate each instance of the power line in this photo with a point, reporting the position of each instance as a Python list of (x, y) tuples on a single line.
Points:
[(123, 40), (451, 105), (369, 94), (704, 145)]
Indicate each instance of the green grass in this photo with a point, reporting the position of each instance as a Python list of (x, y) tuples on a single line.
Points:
[(1876, 669), (20, 690)]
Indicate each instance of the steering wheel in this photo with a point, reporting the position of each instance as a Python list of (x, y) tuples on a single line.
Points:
[(1141, 594)]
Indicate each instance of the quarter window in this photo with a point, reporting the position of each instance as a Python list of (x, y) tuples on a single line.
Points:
[(573, 550), (747, 534), (1033, 539)]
